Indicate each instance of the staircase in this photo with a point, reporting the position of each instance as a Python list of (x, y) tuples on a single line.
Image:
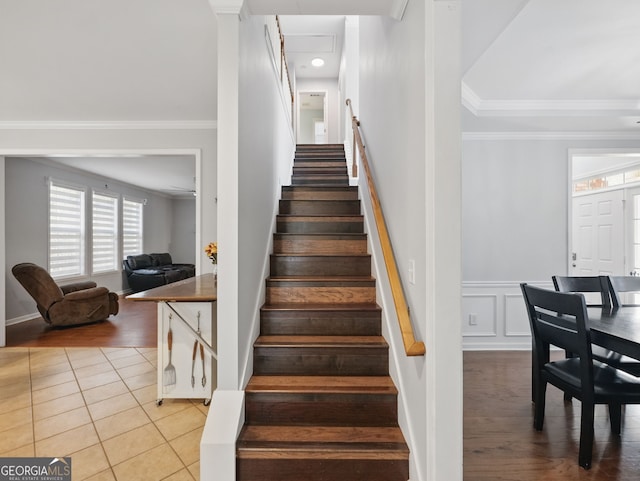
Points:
[(321, 405)]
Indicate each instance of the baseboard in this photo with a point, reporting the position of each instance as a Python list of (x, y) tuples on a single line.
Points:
[(21, 319)]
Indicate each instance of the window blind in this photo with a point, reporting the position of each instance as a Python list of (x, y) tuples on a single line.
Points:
[(104, 233), (131, 227), (66, 230)]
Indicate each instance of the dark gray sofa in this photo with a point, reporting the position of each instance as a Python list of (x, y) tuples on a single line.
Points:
[(146, 271)]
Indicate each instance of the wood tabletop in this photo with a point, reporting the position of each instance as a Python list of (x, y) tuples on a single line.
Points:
[(617, 329), (202, 288)]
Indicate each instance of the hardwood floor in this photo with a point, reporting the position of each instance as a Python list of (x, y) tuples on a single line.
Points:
[(500, 443), (134, 326)]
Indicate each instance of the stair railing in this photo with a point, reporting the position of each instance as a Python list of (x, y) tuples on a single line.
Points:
[(411, 346)]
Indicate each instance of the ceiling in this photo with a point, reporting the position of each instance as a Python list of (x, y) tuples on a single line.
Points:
[(171, 175), (548, 65), (308, 37), (528, 65)]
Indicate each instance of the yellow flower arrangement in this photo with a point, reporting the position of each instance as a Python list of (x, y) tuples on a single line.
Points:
[(212, 252)]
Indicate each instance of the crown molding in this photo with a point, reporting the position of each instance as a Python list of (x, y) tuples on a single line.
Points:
[(537, 135), (470, 99), (480, 107), (110, 125)]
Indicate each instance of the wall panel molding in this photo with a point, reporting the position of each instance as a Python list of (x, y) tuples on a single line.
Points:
[(500, 317)]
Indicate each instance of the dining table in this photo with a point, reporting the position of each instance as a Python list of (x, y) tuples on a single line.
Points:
[(617, 329)]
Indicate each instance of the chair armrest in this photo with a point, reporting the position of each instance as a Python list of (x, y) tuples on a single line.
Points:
[(77, 286), (85, 294)]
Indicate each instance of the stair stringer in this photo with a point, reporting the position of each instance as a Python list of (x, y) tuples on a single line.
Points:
[(391, 332)]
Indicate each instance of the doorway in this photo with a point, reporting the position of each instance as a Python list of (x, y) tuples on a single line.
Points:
[(312, 117), (604, 212)]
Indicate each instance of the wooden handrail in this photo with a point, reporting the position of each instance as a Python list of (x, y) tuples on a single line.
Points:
[(411, 346)]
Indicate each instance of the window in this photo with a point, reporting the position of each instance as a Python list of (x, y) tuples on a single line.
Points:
[(66, 230), (104, 233), (131, 227)]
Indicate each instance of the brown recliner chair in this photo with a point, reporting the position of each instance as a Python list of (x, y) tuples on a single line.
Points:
[(66, 305)]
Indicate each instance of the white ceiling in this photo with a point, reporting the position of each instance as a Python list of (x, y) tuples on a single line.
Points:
[(172, 175), (548, 65), (308, 37)]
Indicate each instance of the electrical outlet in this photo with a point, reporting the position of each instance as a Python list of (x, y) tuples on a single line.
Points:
[(473, 319), (412, 272)]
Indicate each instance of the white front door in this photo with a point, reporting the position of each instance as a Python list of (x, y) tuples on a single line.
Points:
[(598, 234)]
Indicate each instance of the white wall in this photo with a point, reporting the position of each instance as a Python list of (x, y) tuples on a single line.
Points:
[(408, 110), (515, 228), (266, 146), (334, 108), (183, 231)]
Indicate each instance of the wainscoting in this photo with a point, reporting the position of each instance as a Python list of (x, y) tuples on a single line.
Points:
[(494, 316)]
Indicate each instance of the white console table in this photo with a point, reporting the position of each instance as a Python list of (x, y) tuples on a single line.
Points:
[(188, 308)]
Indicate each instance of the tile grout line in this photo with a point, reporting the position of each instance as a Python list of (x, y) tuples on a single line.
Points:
[(31, 352), (166, 441), (84, 400)]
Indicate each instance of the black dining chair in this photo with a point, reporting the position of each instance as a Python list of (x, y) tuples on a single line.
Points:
[(608, 299), (587, 285), (588, 380), (621, 285)]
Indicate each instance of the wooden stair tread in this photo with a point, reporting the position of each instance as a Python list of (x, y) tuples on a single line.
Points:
[(327, 279), (322, 307), (340, 188), (321, 217), (322, 254), (323, 235), (320, 341), (341, 441), (322, 384)]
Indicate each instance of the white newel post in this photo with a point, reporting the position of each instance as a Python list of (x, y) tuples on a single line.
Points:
[(226, 412)]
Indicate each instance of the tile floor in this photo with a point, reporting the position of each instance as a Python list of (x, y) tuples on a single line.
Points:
[(97, 405)]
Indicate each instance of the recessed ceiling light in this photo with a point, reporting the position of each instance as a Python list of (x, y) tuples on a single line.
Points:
[(317, 62)]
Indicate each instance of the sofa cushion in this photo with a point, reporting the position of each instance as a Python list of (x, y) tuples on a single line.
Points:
[(161, 259), (141, 261), (149, 272)]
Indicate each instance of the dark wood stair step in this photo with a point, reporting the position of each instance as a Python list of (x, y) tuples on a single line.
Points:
[(284, 243), (317, 224), (323, 440), (321, 400), (321, 355), (311, 192), (294, 453), (319, 163), (283, 265), (321, 319), (320, 207), (319, 146), (320, 180), (318, 154), (322, 384), (313, 157), (321, 290), (337, 170)]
